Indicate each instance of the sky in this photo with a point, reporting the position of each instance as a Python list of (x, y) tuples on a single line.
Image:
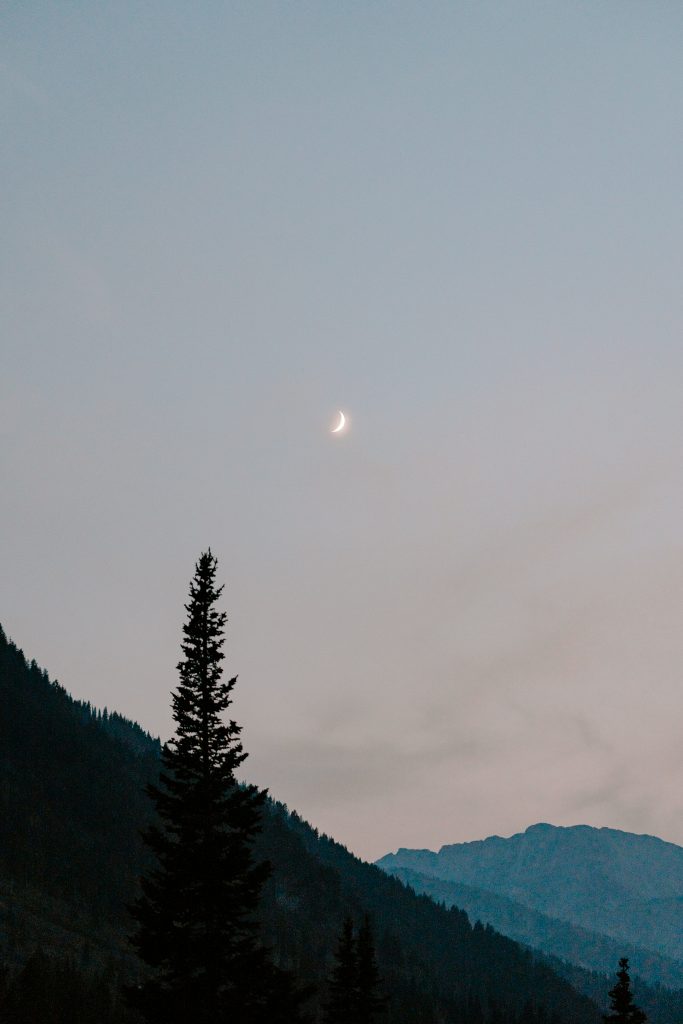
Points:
[(461, 223)]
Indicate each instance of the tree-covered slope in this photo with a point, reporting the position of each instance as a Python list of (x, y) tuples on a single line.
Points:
[(585, 958), (71, 792), (71, 786), (423, 949), (580, 946)]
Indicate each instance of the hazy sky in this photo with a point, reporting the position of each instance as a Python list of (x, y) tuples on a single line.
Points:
[(460, 222)]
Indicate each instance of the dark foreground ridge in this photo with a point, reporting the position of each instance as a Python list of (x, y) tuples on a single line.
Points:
[(72, 805)]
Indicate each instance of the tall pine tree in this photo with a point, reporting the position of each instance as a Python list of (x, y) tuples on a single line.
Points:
[(196, 916), (623, 1009)]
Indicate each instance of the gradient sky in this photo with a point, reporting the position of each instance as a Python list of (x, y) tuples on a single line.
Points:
[(461, 223)]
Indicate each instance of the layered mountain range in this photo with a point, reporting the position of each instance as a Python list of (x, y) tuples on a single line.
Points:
[(581, 893)]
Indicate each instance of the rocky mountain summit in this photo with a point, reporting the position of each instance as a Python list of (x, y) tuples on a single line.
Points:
[(602, 883)]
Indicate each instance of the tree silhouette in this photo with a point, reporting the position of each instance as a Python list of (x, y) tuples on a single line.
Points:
[(624, 1010), (370, 1003), (341, 1002), (196, 927), (354, 983)]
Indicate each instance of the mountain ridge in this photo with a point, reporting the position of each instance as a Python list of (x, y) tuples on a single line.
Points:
[(623, 886), (537, 828)]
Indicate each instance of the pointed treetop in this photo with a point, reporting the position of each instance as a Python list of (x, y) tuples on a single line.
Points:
[(623, 1009)]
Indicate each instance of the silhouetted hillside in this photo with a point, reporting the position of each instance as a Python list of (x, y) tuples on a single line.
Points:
[(548, 934), (71, 793), (584, 958)]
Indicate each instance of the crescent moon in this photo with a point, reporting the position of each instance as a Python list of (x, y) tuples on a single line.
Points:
[(340, 425)]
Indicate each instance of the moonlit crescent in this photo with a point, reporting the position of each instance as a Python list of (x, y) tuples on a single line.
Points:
[(340, 425)]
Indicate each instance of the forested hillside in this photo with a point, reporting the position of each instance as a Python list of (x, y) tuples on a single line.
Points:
[(584, 957), (547, 934), (71, 785)]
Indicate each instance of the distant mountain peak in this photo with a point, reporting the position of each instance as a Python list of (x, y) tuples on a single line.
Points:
[(626, 886)]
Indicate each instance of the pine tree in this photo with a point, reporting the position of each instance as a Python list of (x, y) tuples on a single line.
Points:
[(342, 983), (624, 1011), (196, 928), (354, 983), (369, 1002)]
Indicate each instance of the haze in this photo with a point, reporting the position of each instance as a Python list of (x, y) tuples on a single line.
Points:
[(460, 223)]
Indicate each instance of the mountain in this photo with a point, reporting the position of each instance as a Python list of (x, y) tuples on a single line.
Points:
[(579, 892), (71, 807)]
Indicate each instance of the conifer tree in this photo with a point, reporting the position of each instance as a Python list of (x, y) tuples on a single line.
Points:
[(342, 983), (354, 983), (369, 1001), (623, 1009), (196, 929)]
